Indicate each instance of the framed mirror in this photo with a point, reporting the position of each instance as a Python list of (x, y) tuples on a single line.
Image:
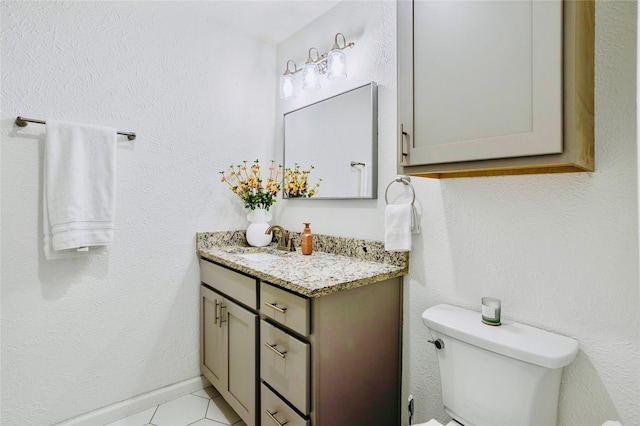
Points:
[(338, 136)]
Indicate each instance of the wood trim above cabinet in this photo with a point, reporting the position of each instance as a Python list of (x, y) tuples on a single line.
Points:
[(578, 106)]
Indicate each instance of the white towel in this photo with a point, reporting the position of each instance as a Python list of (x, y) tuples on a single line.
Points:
[(397, 227), (79, 189)]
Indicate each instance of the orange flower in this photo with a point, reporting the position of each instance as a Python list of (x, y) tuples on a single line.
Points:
[(296, 182), (249, 185)]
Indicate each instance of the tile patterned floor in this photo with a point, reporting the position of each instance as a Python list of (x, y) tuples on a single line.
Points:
[(203, 408)]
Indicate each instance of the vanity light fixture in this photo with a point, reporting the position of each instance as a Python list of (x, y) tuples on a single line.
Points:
[(286, 82), (333, 64), (337, 62), (311, 72)]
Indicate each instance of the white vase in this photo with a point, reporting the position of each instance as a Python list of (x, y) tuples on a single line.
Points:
[(259, 219)]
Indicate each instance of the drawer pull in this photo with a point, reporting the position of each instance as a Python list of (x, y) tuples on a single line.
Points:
[(277, 308), (273, 417), (273, 348)]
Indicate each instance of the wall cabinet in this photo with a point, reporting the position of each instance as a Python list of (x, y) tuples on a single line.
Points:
[(490, 88), (328, 360)]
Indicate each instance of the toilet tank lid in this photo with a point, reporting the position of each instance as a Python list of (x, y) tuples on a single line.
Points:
[(511, 339)]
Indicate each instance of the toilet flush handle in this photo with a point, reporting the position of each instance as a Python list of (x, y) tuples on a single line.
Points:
[(439, 344)]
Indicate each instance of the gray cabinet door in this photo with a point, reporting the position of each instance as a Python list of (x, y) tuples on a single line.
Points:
[(213, 345), (487, 80), (228, 351), (242, 385)]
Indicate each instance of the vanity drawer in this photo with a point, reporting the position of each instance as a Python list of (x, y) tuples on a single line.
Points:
[(285, 365), (285, 308), (230, 283), (277, 412)]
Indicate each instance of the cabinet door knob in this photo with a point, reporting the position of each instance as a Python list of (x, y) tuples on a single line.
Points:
[(273, 348), (277, 308), (272, 416)]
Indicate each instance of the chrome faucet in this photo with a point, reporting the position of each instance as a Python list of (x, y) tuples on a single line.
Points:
[(284, 240)]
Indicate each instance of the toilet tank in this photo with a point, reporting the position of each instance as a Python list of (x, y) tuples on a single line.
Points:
[(498, 375)]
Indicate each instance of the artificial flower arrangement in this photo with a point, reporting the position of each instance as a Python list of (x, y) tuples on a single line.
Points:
[(245, 181), (296, 183)]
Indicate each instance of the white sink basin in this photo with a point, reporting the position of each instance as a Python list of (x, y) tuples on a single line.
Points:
[(260, 256), (256, 254)]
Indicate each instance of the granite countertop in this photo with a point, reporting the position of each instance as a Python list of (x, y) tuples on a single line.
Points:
[(336, 263)]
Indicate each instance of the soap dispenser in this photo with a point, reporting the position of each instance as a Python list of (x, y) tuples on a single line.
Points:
[(307, 239)]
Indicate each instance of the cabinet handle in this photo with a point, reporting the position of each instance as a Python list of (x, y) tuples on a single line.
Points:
[(273, 417), (217, 315), (273, 348), (402, 154), (277, 308), (222, 314)]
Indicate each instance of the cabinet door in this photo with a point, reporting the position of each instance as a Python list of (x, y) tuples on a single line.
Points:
[(242, 385), (486, 77), (213, 345)]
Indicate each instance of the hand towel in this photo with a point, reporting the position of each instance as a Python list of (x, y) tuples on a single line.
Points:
[(397, 227), (79, 189)]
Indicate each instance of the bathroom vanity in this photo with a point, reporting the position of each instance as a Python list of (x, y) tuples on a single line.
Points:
[(303, 340)]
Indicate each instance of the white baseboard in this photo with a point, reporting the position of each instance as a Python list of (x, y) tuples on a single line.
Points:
[(138, 403)]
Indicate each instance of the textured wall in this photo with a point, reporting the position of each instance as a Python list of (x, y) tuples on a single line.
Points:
[(561, 251), (84, 333), (371, 25)]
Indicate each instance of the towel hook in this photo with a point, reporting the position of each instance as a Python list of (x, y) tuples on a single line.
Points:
[(405, 180)]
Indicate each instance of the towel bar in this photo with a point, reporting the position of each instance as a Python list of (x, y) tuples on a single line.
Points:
[(405, 180), (22, 122)]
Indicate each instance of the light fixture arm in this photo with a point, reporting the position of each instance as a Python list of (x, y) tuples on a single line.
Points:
[(312, 61), (336, 46), (287, 71)]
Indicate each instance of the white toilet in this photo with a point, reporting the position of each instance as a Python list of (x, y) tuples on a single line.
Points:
[(507, 375)]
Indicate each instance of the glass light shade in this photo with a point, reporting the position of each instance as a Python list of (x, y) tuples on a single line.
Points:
[(337, 65), (310, 77), (286, 87)]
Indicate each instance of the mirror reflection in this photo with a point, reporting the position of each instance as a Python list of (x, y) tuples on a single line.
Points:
[(338, 136)]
